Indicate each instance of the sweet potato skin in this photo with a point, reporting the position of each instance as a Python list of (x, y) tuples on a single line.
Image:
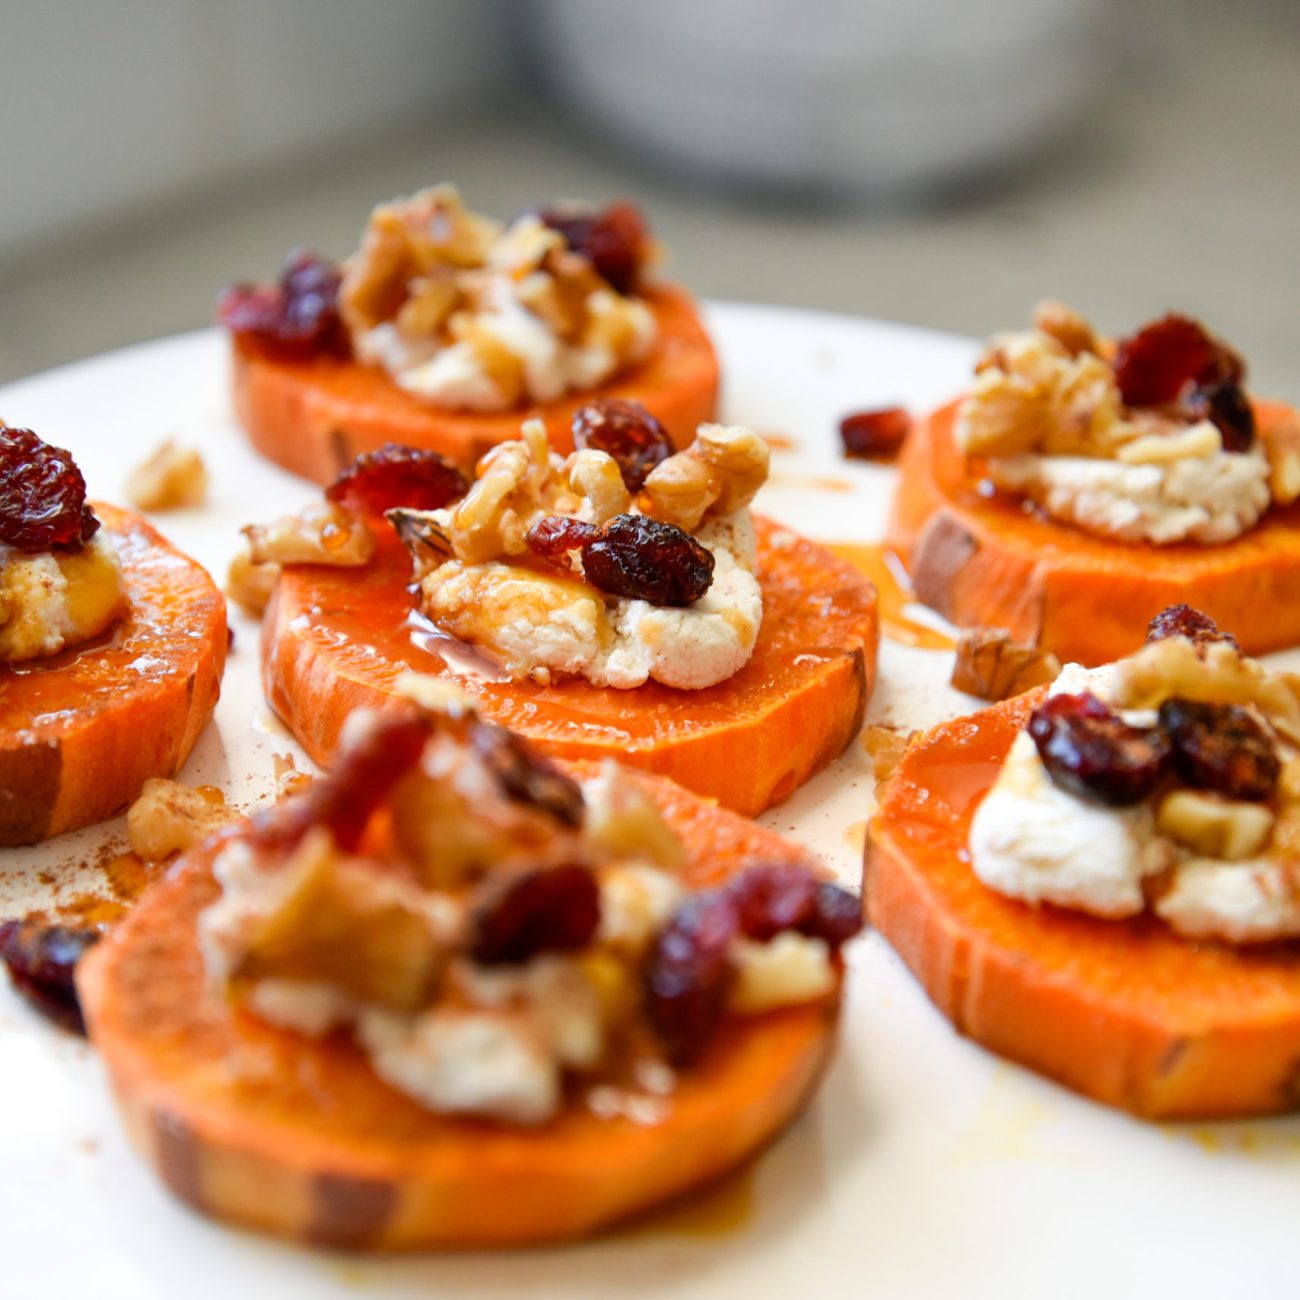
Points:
[(315, 417), (300, 1139), (81, 732), (984, 562), (334, 640), (1125, 1012)]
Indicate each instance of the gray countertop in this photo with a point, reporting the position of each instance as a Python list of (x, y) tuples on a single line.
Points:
[(1183, 190)]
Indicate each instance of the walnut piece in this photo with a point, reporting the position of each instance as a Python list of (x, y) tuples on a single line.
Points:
[(1213, 826), (886, 748), (249, 584), (171, 478), (720, 472), (991, 666), (623, 822), (1282, 447), (1066, 326), (169, 817)]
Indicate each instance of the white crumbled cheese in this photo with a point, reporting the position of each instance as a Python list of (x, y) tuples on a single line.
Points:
[(50, 601), (539, 625), (1210, 498), (1243, 902), (456, 378), (465, 1062), (303, 1006), (1034, 841), (636, 902), (789, 969)]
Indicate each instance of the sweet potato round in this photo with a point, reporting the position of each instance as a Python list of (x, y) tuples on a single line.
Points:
[(301, 1139), (314, 417), (336, 639), (985, 562), (1125, 1012), (81, 731)]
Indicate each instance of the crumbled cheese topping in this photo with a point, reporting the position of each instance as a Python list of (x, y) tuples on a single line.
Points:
[(541, 624), (1046, 416), (54, 600), (1221, 869), (469, 314)]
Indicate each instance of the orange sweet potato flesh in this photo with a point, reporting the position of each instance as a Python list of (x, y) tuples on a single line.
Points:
[(81, 731), (1126, 1012), (301, 1139), (984, 562), (337, 639), (313, 417)]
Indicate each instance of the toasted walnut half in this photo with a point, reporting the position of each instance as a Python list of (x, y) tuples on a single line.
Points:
[(169, 817), (991, 666), (1213, 826), (171, 478), (720, 472)]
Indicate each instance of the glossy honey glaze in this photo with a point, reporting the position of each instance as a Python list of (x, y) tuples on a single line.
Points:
[(879, 564)]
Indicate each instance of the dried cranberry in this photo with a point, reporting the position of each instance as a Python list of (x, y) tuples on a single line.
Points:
[(1153, 365), (1091, 751), (526, 775), (554, 536), (875, 435), (627, 432), (397, 476), (551, 909), (1228, 408), (1221, 747), (642, 559), (42, 958), (615, 239), (347, 798), (1183, 620), (787, 896), (42, 495), (687, 974), (295, 317)]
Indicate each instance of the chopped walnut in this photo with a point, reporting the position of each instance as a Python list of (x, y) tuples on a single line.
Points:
[(1178, 443), (1066, 326), (596, 475), (623, 822), (250, 584), (171, 478), (323, 532), (720, 472), (169, 817), (1282, 447), (991, 666), (886, 748), (1213, 826), (289, 780)]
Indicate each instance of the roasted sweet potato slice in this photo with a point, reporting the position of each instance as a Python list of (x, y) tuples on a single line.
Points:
[(314, 417), (81, 731), (1126, 1012), (300, 1138), (985, 562), (334, 640)]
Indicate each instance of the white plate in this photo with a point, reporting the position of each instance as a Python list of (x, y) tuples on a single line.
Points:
[(925, 1166)]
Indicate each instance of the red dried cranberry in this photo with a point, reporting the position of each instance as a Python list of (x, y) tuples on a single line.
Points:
[(1153, 365), (1091, 751), (627, 432), (42, 958), (875, 435), (1221, 747), (642, 559), (42, 495), (526, 775), (397, 476), (687, 974), (552, 909), (346, 798), (1228, 408), (615, 239), (554, 536), (1183, 620), (787, 896), (296, 317)]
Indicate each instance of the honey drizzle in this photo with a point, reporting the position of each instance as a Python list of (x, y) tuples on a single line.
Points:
[(878, 563)]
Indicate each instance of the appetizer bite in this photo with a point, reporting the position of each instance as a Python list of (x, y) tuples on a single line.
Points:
[(453, 995), (445, 327), (1082, 485), (618, 602), (1102, 881), (111, 648)]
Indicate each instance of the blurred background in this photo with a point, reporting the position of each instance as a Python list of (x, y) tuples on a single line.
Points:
[(940, 162)]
